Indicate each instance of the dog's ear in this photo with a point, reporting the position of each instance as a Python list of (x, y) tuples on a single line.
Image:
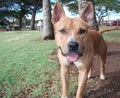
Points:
[(58, 12), (87, 13)]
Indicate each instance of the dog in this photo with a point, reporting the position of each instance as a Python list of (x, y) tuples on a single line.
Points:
[(77, 45)]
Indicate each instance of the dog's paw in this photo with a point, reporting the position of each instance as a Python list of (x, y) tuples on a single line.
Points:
[(89, 76), (102, 77)]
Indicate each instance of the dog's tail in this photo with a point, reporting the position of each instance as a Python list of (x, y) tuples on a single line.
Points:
[(108, 29)]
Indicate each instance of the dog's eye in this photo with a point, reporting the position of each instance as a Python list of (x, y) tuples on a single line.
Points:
[(82, 31), (63, 31)]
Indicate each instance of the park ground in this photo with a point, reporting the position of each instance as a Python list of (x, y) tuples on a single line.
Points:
[(29, 68)]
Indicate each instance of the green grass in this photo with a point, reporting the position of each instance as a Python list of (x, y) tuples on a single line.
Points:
[(111, 36), (25, 69), (24, 63)]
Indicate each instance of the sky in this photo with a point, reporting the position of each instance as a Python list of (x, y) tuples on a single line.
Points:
[(113, 16)]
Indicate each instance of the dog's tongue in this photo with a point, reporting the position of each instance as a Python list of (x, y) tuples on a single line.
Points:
[(72, 57)]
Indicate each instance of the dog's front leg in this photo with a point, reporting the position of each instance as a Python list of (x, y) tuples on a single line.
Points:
[(65, 79), (83, 75)]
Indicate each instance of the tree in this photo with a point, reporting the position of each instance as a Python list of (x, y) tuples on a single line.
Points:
[(110, 4), (103, 6), (101, 12), (34, 5), (21, 10), (47, 32), (13, 9)]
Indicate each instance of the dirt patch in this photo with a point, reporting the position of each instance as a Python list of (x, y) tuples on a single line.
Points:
[(109, 88)]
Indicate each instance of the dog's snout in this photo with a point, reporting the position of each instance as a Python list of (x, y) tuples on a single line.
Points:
[(73, 46)]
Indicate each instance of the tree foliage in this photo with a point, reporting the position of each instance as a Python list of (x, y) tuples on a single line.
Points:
[(19, 8), (13, 9), (34, 5), (104, 6), (108, 5)]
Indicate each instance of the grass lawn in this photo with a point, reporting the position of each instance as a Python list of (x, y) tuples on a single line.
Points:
[(25, 68), (112, 36), (24, 65)]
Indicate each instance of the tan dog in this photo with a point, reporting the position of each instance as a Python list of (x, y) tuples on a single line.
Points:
[(76, 45)]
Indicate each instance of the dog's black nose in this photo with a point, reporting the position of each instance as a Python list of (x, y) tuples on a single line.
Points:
[(73, 46)]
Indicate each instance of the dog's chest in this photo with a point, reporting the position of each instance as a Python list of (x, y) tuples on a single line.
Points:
[(79, 63)]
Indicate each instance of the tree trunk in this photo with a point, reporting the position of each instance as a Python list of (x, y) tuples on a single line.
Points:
[(33, 19), (20, 22), (82, 4), (47, 32)]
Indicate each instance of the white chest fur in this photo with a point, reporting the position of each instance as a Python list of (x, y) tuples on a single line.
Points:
[(78, 63)]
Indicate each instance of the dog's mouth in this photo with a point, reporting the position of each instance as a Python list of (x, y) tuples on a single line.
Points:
[(72, 57)]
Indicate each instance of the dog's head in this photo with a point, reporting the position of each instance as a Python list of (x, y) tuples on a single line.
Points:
[(71, 32)]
